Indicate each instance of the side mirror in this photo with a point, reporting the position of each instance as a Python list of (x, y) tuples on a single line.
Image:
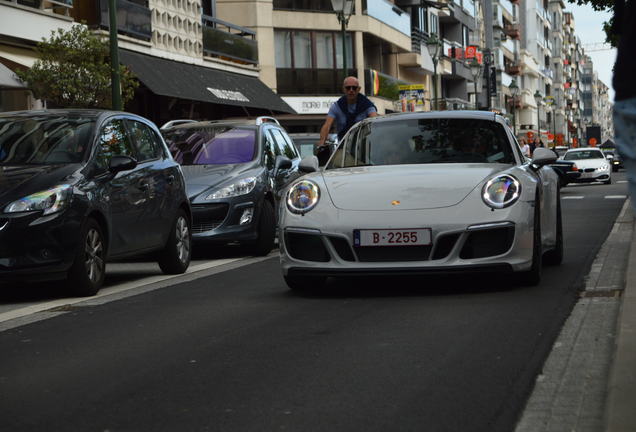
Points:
[(282, 163), (308, 164), (121, 163), (543, 156)]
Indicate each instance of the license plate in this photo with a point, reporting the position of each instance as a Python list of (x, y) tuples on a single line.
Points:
[(392, 237)]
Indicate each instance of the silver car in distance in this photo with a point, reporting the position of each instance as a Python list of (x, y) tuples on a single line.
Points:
[(418, 193)]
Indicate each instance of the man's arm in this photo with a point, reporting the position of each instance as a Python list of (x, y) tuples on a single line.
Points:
[(324, 130)]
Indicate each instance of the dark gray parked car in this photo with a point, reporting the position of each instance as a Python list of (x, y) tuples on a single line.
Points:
[(81, 187), (235, 172)]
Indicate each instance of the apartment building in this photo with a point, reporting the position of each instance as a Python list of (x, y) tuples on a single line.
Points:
[(556, 102), (190, 64), (572, 68)]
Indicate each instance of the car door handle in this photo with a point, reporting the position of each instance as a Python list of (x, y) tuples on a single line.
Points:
[(170, 179)]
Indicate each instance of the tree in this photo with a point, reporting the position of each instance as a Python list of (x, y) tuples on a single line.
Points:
[(73, 71), (603, 5)]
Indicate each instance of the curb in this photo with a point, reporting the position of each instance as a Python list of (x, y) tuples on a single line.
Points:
[(620, 412)]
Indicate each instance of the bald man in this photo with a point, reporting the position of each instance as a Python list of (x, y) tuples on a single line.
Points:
[(348, 110)]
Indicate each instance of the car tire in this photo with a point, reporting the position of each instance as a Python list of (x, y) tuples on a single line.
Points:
[(176, 254), (266, 231), (86, 275), (608, 181), (304, 284), (555, 256), (533, 276)]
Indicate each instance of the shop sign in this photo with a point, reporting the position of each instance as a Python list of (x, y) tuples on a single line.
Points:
[(412, 97), (228, 94), (310, 104)]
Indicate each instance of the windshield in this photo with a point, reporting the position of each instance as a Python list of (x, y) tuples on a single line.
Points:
[(424, 141), (44, 140), (584, 154), (211, 145)]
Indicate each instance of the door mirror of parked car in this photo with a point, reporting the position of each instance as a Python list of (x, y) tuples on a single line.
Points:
[(121, 163), (282, 163), (308, 164), (543, 156)]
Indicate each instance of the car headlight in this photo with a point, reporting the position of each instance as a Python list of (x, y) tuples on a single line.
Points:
[(241, 187), (49, 201), (603, 167), (303, 196), (501, 191)]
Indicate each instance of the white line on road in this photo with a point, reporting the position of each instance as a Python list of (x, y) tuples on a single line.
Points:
[(573, 197), (615, 196), (621, 181), (41, 307)]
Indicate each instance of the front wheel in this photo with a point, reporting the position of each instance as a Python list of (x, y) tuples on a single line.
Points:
[(555, 256), (86, 275), (608, 181), (176, 254), (266, 231)]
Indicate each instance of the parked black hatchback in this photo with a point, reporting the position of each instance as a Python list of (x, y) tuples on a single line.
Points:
[(235, 172), (80, 187)]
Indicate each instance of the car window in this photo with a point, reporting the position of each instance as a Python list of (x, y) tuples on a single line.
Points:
[(211, 145), (113, 141), (270, 149), (44, 140), (148, 147), (289, 148), (583, 154), (425, 141)]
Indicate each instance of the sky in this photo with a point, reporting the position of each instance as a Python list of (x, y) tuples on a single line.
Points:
[(589, 28)]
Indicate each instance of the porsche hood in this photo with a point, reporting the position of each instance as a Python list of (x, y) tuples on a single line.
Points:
[(405, 187)]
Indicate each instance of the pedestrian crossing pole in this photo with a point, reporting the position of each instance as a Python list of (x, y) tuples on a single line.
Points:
[(114, 57)]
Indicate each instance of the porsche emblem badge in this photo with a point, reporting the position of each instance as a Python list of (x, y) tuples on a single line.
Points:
[(395, 202)]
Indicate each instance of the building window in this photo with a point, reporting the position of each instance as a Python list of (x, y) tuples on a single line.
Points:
[(311, 50), (304, 5), (434, 24)]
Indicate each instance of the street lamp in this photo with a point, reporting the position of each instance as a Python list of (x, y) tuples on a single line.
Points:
[(538, 98), (475, 70), (433, 44), (514, 91), (343, 10)]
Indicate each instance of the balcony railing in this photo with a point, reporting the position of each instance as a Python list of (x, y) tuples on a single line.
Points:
[(57, 6), (389, 14), (512, 30), (132, 19), (513, 68), (418, 37), (230, 41)]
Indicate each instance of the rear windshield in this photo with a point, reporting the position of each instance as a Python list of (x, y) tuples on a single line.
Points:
[(217, 145), (424, 141), (44, 140), (584, 154)]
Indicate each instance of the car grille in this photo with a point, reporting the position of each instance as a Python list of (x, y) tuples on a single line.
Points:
[(587, 169), (207, 217), (393, 253)]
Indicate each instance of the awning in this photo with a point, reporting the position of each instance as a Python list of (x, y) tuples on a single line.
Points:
[(187, 81), (19, 56), (8, 79)]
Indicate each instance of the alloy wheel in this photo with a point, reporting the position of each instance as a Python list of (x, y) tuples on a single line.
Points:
[(183, 239), (94, 249)]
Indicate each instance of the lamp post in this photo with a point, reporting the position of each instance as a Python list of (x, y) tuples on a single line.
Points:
[(433, 44), (475, 70), (343, 9), (538, 98), (514, 91)]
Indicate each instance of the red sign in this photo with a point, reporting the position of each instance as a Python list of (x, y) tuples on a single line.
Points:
[(575, 142), (592, 141), (559, 139), (480, 58), (471, 51), (530, 135), (551, 137)]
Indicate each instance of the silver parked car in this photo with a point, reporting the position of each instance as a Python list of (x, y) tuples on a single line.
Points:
[(418, 193)]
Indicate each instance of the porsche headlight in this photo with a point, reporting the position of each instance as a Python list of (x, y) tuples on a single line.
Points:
[(49, 201), (241, 187), (501, 191), (303, 196)]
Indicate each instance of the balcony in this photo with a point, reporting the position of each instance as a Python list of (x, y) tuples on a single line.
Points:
[(229, 41), (513, 68), (133, 19), (512, 31), (41, 22), (389, 14)]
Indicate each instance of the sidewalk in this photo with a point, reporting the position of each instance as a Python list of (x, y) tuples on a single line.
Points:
[(588, 383)]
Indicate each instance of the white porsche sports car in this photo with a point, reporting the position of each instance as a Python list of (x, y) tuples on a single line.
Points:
[(417, 193)]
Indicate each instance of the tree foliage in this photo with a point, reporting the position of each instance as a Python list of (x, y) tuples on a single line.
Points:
[(73, 71), (602, 5)]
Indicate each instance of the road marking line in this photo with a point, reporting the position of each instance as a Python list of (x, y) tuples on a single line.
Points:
[(573, 197), (615, 196), (621, 181), (41, 307)]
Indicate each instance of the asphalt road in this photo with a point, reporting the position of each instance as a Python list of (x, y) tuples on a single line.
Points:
[(236, 351)]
